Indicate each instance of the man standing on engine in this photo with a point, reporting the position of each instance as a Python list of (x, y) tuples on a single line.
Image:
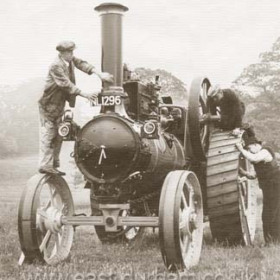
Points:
[(60, 86), (231, 109)]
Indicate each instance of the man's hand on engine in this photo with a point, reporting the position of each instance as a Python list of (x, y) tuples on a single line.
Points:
[(106, 77), (236, 132), (205, 118), (91, 96)]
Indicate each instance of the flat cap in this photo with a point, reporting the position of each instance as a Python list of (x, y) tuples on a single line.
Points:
[(65, 46), (251, 140)]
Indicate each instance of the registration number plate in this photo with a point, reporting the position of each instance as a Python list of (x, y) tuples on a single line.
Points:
[(109, 100)]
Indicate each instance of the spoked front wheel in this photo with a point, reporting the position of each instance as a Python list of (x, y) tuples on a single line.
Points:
[(181, 220), (44, 201)]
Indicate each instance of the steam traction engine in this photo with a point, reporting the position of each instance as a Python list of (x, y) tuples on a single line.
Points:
[(145, 163)]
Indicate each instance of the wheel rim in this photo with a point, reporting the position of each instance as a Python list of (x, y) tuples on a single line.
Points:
[(51, 198), (197, 107), (247, 204), (181, 220)]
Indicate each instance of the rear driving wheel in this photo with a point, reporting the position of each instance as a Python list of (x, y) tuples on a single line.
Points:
[(231, 197)]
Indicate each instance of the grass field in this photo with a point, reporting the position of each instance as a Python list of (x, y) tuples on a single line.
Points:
[(91, 260)]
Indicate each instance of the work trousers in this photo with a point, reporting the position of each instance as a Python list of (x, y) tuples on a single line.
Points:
[(271, 208), (50, 141)]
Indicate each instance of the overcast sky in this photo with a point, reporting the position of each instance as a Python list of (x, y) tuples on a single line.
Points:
[(216, 38)]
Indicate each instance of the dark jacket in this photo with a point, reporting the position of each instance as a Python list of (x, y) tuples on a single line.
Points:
[(232, 110), (267, 171), (60, 86)]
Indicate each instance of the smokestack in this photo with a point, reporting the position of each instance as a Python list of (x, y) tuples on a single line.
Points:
[(111, 32)]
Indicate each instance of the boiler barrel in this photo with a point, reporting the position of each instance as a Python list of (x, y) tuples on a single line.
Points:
[(109, 149), (164, 158)]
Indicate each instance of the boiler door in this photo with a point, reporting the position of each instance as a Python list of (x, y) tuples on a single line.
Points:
[(106, 149)]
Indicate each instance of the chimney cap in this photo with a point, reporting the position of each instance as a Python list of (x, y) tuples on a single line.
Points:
[(111, 7)]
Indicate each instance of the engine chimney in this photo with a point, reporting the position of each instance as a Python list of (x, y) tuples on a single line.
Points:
[(111, 32)]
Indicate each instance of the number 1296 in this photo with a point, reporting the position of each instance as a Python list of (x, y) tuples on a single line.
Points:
[(109, 100)]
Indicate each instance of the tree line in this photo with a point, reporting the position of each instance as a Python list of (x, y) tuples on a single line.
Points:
[(259, 86)]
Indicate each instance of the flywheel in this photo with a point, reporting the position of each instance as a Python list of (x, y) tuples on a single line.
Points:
[(42, 236), (231, 198), (198, 106)]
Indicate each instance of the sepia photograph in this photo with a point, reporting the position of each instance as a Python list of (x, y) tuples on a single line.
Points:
[(139, 140)]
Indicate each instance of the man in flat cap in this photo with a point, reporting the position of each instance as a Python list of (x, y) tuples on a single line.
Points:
[(59, 88), (232, 109)]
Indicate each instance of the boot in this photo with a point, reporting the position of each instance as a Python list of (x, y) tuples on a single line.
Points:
[(48, 170)]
